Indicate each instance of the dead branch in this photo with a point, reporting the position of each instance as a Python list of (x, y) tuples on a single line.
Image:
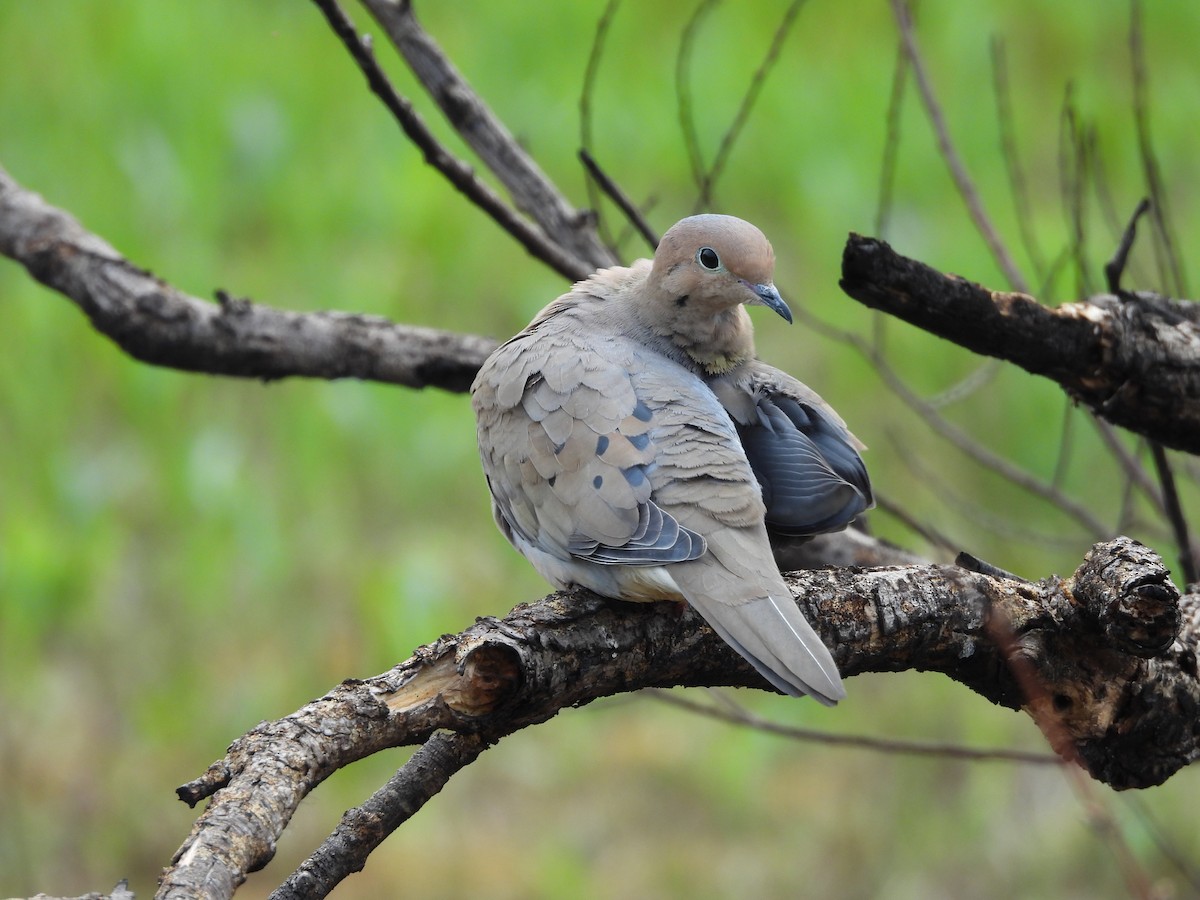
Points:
[(1133, 361), (1112, 651), (156, 323), (455, 171), (954, 164), (532, 192)]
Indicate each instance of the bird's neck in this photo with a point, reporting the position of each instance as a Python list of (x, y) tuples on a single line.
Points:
[(719, 343)]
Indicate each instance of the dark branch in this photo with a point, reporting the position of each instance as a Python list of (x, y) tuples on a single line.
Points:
[(364, 828), (1115, 673), (613, 191), (1131, 362), (457, 172), (1115, 267), (572, 230)]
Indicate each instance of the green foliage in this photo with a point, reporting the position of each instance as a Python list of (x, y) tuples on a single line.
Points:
[(182, 556)]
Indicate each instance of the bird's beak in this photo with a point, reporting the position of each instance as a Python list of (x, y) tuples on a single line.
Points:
[(768, 296)]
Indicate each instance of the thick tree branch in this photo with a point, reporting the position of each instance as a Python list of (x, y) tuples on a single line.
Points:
[(1114, 673), (1134, 360), (154, 322)]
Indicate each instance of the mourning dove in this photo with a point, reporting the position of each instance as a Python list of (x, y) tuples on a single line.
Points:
[(633, 445)]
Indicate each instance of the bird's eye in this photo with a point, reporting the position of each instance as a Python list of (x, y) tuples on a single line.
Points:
[(708, 258)]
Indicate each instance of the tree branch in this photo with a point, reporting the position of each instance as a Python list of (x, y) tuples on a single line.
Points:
[(1115, 673), (152, 321), (1130, 360), (532, 192), (458, 173)]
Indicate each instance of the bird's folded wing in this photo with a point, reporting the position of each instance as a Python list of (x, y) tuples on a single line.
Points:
[(571, 457), (806, 460)]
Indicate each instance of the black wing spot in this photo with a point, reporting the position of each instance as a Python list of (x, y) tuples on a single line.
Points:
[(635, 475), (640, 441), (641, 412), (597, 481), (601, 445)]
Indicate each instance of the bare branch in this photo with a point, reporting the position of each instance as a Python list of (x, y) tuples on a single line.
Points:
[(614, 192), (364, 828), (585, 107), (458, 173), (891, 143), (962, 181), (1018, 187), (687, 121), (532, 192), (1111, 650), (1179, 527), (1130, 361), (735, 714), (1174, 279), (709, 181), (152, 321)]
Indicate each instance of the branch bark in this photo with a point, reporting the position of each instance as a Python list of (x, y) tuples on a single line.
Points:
[(1134, 359), (1104, 661), (155, 323), (532, 192)]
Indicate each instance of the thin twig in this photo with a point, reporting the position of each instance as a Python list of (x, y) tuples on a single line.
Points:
[(891, 141), (968, 507), (1174, 509), (977, 378), (1163, 842), (1115, 221), (619, 197), (458, 173), (590, 73), (1066, 434), (930, 534), (709, 182), (1115, 267), (962, 181), (1134, 470), (738, 715), (687, 121), (1073, 164), (1018, 187), (952, 433), (1173, 276)]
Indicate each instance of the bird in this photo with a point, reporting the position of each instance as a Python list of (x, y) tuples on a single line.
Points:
[(633, 444)]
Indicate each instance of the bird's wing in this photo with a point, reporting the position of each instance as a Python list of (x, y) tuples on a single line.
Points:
[(806, 460), (568, 450)]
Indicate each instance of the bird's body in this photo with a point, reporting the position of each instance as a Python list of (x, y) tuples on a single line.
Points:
[(634, 445)]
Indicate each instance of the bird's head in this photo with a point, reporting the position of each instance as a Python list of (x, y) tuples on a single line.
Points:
[(705, 271), (709, 264)]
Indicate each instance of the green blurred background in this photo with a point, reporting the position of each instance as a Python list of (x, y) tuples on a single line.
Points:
[(183, 556)]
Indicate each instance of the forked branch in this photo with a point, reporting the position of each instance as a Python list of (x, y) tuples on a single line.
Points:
[(1103, 661)]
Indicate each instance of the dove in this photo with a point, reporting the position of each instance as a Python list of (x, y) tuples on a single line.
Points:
[(634, 445)]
